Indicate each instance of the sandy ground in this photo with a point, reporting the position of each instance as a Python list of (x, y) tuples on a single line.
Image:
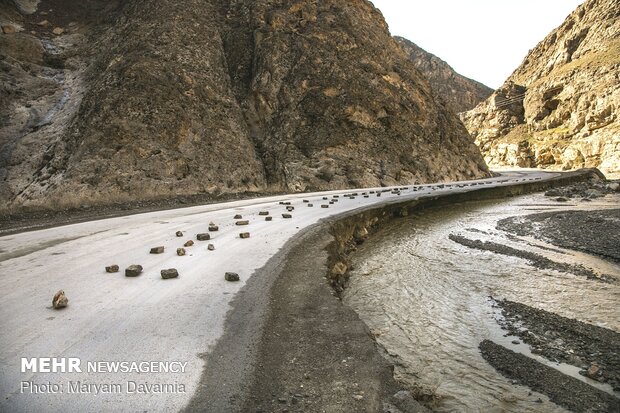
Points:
[(111, 317)]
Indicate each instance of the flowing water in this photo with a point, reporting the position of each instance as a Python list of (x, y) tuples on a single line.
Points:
[(426, 299)]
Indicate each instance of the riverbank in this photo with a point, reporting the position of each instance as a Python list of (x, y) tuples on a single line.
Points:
[(291, 345)]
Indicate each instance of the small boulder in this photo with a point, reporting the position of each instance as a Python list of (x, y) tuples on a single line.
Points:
[(593, 371), (157, 250), (43, 23), (179, 233), (58, 31), (324, 198), (614, 186), (290, 208), (8, 29), (180, 252), (244, 235), (244, 222), (310, 205), (211, 247), (203, 237), (263, 213), (231, 276), (213, 228), (169, 273), (324, 206), (188, 243), (133, 270), (268, 218), (237, 216), (340, 268), (60, 300), (561, 199), (111, 268), (287, 216), (305, 201)]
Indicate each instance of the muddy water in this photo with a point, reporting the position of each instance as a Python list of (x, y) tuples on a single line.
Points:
[(426, 299)]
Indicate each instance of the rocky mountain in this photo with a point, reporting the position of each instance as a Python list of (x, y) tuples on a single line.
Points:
[(117, 100), (460, 93), (561, 108)]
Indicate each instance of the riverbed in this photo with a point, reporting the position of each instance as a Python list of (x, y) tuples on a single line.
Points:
[(431, 301)]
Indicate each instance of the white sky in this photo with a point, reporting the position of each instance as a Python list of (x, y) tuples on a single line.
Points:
[(485, 40)]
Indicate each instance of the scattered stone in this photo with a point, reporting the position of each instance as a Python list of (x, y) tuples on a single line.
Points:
[(378, 193), (213, 228), (244, 222), (287, 216), (305, 201), (8, 29), (593, 371), (43, 23), (231, 276), (169, 273), (561, 199), (133, 270), (157, 250), (310, 205), (263, 213), (358, 397), (211, 247), (112, 268), (179, 233), (515, 342), (203, 237), (244, 235), (237, 216), (339, 268), (614, 186), (180, 252), (331, 202), (60, 300), (268, 218), (58, 31), (290, 208), (188, 243), (324, 198), (324, 206)]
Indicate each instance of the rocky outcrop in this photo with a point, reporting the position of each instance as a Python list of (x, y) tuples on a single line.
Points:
[(560, 109), (164, 98), (459, 92)]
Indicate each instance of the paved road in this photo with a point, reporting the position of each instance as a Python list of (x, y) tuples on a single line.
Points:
[(111, 317)]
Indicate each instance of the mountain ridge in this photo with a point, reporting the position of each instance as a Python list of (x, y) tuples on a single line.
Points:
[(559, 108), (460, 92), (156, 100)]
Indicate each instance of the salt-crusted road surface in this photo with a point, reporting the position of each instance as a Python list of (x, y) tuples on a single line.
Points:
[(113, 318)]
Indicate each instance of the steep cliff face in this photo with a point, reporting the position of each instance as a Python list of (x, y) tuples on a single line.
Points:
[(561, 107), (163, 98), (459, 92)]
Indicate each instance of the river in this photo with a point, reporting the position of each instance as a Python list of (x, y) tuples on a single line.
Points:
[(427, 300)]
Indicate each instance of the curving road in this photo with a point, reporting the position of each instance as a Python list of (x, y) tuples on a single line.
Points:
[(113, 318)]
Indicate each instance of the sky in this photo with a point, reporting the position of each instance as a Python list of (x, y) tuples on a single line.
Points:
[(485, 40)]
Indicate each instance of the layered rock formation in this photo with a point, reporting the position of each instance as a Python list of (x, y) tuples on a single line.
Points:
[(561, 107), (460, 93), (161, 98)]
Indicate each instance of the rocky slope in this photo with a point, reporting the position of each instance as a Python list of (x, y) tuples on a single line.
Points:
[(139, 99), (561, 107), (459, 92)]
